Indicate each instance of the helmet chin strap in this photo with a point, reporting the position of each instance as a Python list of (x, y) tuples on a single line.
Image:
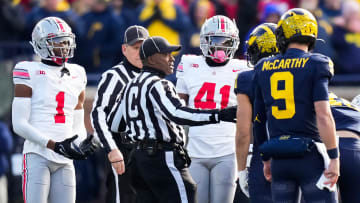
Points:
[(219, 56), (59, 61)]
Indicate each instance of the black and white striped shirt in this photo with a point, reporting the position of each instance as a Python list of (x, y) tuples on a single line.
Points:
[(152, 110), (111, 84)]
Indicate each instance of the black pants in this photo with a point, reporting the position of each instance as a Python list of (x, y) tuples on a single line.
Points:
[(162, 177), (126, 190)]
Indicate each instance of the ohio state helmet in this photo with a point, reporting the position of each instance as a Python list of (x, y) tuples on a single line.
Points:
[(219, 33), (48, 33)]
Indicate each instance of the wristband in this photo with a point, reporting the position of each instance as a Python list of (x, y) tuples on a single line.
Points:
[(333, 153)]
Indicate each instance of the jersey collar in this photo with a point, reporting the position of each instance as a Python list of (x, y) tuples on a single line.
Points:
[(130, 66), (154, 71), (294, 51)]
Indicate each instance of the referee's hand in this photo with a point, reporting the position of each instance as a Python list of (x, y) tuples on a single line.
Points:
[(117, 161)]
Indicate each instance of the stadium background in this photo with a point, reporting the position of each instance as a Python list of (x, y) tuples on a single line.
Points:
[(99, 27)]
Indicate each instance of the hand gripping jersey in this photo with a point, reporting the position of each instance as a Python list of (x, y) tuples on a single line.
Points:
[(209, 88), (289, 85), (54, 98)]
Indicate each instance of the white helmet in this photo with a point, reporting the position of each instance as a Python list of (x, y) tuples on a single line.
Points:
[(52, 30), (219, 33), (356, 101)]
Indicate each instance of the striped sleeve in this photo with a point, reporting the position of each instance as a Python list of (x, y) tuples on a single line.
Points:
[(109, 88), (21, 74), (165, 99)]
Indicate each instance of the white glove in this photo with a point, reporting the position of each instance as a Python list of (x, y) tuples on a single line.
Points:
[(243, 181)]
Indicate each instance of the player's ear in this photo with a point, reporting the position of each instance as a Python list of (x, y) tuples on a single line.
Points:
[(152, 60)]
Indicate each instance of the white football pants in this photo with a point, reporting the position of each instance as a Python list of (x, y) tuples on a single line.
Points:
[(215, 178), (44, 181)]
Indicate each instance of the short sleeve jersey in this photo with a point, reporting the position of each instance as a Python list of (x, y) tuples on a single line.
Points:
[(209, 88), (290, 84), (54, 98)]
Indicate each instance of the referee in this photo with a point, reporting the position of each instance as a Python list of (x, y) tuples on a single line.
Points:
[(153, 114), (111, 85)]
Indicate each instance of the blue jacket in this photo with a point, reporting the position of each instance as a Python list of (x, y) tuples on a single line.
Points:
[(100, 46), (6, 145)]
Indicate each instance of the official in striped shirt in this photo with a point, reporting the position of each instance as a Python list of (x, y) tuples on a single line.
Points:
[(110, 86), (152, 113)]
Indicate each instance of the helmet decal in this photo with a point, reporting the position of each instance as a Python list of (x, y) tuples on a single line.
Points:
[(296, 25), (261, 43)]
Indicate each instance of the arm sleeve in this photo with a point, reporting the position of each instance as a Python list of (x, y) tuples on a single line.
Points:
[(21, 108), (79, 126), (116, 120), (164, 98), (108, 89)]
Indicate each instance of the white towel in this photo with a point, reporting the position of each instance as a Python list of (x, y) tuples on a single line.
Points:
[(320, 183)]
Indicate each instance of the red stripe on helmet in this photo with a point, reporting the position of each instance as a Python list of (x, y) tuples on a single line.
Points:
[(222, 24), (60, 24)]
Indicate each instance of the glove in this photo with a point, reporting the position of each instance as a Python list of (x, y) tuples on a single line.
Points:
[(243, 181), (228, 114), (89, 146), (68, 149)]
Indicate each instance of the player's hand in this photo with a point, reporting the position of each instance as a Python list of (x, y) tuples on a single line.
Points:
[(243, 181), (69, 149), (267, 170), (117, 161), (333, 172), (89, 145), (228, 114)]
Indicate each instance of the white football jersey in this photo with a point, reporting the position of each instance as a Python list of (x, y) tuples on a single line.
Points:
[(54, 98), (209, 88)]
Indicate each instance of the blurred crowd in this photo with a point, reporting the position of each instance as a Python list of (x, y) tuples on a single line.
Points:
[(100, 24)]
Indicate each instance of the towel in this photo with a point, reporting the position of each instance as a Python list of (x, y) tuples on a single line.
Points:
[(320, 183)]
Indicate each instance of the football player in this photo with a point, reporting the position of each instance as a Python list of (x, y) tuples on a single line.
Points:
[(261, 43), (292, 89), (47, 111), (206, 82), (347, 121)]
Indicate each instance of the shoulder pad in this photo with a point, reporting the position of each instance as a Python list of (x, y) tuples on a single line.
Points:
[(326, 62), (238, 62)]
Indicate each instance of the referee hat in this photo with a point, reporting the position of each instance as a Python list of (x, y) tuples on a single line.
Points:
[(153, 45), (134, 34)]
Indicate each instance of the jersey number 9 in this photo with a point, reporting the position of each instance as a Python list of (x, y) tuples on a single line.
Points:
[(286, 94)]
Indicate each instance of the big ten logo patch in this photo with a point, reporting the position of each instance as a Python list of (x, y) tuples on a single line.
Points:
[(40, 72)]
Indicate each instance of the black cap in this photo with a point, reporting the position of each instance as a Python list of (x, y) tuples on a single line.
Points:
[(134, 34), (153, 45)]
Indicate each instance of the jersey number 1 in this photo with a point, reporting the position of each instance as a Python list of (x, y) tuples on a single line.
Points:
[(286, 94), (209, 89), (60, 116)]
